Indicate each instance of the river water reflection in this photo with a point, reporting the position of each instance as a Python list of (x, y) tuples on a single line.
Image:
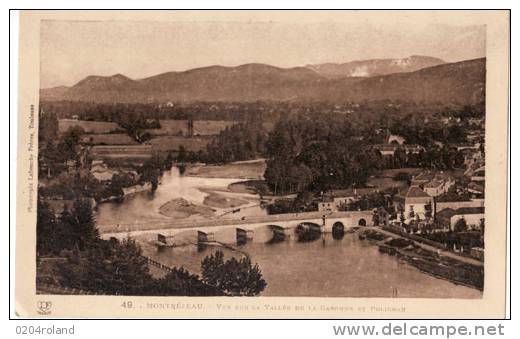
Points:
[(328, 267), (346, 267)]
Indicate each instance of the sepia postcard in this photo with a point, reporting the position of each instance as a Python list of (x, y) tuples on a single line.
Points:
[(262, 164)]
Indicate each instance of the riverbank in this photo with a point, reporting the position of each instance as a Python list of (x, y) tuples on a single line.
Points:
[(427, 259)]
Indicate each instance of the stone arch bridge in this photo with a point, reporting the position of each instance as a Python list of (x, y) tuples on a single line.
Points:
[(224, 230)]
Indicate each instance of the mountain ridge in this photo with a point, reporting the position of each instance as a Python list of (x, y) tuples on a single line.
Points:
[(374, 67), (462, 81)]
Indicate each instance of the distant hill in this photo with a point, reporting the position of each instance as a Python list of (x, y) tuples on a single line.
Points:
[(462, 82), (374, 67), (54, 93)]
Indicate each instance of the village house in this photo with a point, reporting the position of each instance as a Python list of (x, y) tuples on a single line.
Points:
[(333, 200), (100, 171), (473, 216), (450, 120), (454, 205), (476, 189), (416, 202), (395, 139), (390, 149), (479, 122), (474, 166), (433, 183), (471, 156), (479, 175), (460, 147), (476, 136)]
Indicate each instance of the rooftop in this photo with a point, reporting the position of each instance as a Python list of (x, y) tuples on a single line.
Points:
[(447, 213), (416, 192), (470, 210)]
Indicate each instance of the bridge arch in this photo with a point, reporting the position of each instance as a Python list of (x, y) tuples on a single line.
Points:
[(308, 231), (338, 230), (362, 222), (279, 233)]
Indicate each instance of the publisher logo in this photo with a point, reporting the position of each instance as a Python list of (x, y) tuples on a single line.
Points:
[(44, 307)]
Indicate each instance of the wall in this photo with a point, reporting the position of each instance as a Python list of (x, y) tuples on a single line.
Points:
[(418, 208)]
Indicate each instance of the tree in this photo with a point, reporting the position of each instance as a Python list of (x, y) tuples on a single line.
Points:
[(411, 214), (234, 277), (110, 267), (84, 227), (460, 226), (67, 146), (45, 229), (181, 156), (181, 282), (48, 126), (375, 218), (428, 211)]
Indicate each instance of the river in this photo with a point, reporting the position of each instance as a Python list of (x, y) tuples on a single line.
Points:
[(326, 267), (143, 207)]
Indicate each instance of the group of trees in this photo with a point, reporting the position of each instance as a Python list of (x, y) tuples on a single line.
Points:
[(369, 110), (243, 141), (304, 202), (425, 133), (372, 201), (310, 153), (457, 239), (73, 230), (119, 267), (135, 125), (54, 153), (433, 157)]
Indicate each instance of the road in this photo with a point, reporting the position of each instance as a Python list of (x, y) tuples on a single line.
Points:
[(430, 248)]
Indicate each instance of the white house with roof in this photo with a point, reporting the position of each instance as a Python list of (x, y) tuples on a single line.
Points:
[(415, 203), (433, 183), (473, 216)]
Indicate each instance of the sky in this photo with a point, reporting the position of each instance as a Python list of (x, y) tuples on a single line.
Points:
[(72, 50)]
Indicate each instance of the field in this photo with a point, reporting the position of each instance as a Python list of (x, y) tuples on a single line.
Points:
[(173, 143), (210, 127), (170, 127), (108, 139), (200, 127), (95, 127)]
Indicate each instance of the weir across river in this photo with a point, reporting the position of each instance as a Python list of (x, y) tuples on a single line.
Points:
[(284, 224)]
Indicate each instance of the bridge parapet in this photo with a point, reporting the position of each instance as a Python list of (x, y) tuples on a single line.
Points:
[(288, 222)]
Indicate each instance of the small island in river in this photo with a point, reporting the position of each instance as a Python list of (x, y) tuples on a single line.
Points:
[(182, 208)]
